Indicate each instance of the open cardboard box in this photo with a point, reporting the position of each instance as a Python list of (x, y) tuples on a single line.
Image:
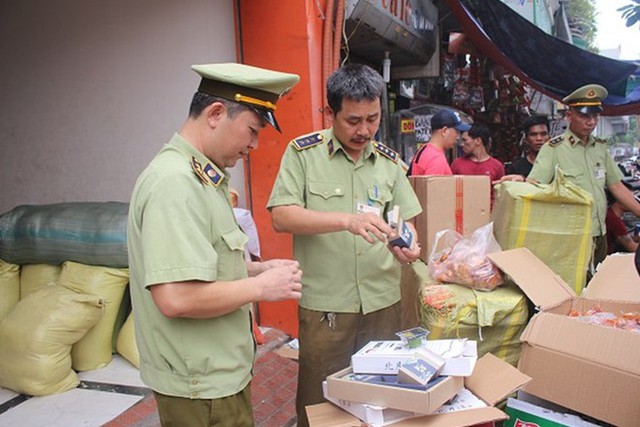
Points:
[(378, 416), (340, 386), (588, 368), (386, 357), (492, 381)]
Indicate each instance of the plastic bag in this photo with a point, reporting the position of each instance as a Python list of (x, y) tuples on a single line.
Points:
[(464, 261)]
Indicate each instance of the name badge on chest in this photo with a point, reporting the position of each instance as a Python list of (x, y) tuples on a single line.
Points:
[(599, 173), (365, 208)]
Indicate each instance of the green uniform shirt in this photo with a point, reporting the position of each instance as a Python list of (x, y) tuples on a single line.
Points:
[(182, 227), (590, 167), (341, 272)]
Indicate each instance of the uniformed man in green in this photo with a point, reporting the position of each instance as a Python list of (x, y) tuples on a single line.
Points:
[(586, 162), (333, 192), (191, 286)]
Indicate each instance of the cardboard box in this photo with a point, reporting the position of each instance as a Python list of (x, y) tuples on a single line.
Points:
[(378, 416), (492, 381), (422, 368), (460, 203), (386, 357), (523, 414), (341, 386), (588, 368)]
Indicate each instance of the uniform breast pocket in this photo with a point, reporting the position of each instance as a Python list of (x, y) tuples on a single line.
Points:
[(231, 263), (326, 196), (574, 175), (380, 196)]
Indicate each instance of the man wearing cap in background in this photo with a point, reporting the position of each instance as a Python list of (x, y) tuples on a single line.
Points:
[(191, 287), (446, 126), (586, 162), (333, 192)]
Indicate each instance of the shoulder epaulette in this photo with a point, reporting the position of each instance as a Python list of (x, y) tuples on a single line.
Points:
[(307, 141), (386, 152), (555, 141), (601, 140)]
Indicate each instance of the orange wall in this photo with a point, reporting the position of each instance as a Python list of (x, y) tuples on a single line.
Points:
[(283, 35)]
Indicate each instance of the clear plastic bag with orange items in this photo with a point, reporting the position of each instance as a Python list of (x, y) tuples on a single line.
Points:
[(464, 261)]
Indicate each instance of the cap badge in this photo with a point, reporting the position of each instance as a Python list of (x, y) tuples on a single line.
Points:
[(591, 94)]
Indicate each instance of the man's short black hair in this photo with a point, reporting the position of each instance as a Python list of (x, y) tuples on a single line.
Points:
[(202, 100), (479, 130), (532, 121), (356, 82)]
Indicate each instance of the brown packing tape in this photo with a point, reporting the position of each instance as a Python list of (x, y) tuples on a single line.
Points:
[(459, 205)]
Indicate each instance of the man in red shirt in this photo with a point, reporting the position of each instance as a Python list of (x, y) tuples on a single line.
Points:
[(476, 159), (618, 237), (430, 159)]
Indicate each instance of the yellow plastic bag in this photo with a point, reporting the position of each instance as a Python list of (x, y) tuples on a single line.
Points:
[(494, 319), (553, 221), (126, 343), (9, 287), (95, 349), (35, 276), (37, 337)]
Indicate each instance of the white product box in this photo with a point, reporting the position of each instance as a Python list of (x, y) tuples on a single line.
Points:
[(386, 357)]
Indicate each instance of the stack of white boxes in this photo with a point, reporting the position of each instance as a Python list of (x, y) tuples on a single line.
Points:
[(432, 374)]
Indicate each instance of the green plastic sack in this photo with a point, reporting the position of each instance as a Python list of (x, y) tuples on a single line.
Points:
[(93, 233), (37, 337), (9, 287), (35, 276), (95, 349), (494, 319), (553, 221)]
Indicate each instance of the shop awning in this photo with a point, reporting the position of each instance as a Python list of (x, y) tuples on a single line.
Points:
[(546, 63)]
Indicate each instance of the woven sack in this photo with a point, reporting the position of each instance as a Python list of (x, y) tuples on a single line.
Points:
[(36, 339)]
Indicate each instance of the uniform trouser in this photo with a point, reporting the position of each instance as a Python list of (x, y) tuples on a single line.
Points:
[(599, 254), (230, 411), (327, 341)]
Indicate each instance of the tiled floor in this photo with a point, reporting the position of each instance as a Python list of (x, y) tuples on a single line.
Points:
[(115, 396), (103, 394)]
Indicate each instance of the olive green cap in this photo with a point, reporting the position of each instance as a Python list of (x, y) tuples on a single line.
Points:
[(255, 87), (587, 99)]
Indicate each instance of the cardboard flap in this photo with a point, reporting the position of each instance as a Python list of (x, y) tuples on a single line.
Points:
[(466, 418), (494, 379), (544, 287), (329, 415), (616, 280), (602, 345)]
